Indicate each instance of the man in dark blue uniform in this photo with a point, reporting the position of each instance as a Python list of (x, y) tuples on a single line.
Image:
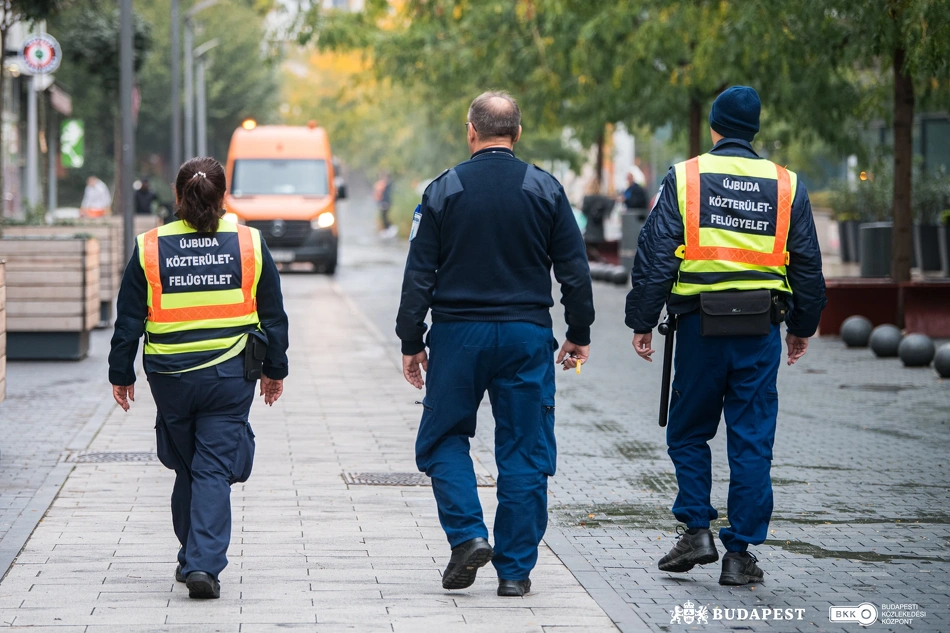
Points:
[(731, 248), (483, 243)]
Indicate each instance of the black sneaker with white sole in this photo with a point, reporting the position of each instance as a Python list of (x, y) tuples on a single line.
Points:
[(690, 550), (739, 568), (466, 559)]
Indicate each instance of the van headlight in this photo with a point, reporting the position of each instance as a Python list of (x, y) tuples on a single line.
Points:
[(231, 217), (323, 221)]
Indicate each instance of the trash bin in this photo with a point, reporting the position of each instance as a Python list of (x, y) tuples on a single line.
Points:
[(631, 222)]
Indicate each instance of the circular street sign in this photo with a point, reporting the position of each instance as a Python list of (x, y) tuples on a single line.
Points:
[(41, 54)]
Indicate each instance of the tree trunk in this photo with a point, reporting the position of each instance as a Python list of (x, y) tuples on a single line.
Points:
[(695, 127), (903, 173), (600, 163)]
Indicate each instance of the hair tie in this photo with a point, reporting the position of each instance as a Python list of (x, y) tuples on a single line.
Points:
[(200, 173)]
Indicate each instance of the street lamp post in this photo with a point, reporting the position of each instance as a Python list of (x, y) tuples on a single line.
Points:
[(202, 94), (128, 129), (190, 75), (176, 89), (189, 90)]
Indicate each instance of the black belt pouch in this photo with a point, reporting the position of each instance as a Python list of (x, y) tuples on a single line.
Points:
[(254, 357), (736, 313)]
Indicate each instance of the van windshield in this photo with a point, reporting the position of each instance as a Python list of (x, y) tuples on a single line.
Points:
[(279, 177)]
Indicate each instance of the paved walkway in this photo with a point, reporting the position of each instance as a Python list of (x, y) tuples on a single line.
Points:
[(51, 408), (309, 552)]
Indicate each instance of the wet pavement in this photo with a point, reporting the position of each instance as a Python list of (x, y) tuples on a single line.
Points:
[(862, 491)]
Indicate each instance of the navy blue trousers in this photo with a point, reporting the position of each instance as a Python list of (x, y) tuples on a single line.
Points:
[(202, 433), (732, 376), (514, 362)]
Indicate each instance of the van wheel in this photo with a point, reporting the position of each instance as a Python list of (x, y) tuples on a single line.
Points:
[(324, 268)]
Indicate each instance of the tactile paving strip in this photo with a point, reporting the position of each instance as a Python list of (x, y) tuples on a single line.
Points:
[(401, 479), (110, 457)]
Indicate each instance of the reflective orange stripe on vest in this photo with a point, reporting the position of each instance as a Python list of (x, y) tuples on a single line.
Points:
[(695, 251), (157, 314)]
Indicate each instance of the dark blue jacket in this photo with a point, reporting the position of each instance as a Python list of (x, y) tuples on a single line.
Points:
[(656, 265), (132, 310), (489, 232)]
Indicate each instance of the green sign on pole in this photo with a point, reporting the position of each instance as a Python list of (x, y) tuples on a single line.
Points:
[(71, 136)]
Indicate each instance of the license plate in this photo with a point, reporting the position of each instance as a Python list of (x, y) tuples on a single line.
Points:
[(282, 256)]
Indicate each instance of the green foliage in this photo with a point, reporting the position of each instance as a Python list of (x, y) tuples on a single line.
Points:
[(242, 79), (12, 11), (89, 35), (931, 196)]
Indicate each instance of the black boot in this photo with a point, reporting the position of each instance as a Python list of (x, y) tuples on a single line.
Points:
[(514, 588), (690, 550), (202, 585), (739, 568), (464, 564), (179, 577)]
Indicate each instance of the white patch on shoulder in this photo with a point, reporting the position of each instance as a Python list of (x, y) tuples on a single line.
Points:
[(416, 220)]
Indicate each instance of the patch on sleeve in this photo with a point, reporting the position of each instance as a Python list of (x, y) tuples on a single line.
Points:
[(657, 197), (416, 220)]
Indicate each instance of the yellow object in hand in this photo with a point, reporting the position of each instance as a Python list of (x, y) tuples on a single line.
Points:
[(578, 367)]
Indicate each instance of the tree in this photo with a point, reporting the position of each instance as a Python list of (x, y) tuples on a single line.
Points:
[(910, 39), (11, 12), (90, 71), (242, 78)]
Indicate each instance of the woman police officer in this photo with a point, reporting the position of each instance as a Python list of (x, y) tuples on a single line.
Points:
[(206, 294)]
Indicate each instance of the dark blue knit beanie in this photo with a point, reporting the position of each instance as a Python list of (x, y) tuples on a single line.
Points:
[(735, 113)]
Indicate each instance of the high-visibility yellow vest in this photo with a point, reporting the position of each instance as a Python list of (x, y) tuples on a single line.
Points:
[(202, 294), (736, 213)]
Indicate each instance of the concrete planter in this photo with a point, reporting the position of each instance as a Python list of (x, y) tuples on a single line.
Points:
[(927, 246), (111, 256), (848, 241), (943, 241), (53, 296), (875, 249)]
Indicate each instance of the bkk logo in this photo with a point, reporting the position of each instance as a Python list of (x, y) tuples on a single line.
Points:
[(691, 614)]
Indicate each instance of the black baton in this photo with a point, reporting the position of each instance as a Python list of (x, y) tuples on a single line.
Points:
[(667, 329)]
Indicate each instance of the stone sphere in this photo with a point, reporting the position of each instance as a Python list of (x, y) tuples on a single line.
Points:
[(916, 350), (855, 331), (621, 275), (942, 360), (884, 341)]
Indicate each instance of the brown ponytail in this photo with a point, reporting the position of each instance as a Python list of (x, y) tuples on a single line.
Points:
[(199, 190)]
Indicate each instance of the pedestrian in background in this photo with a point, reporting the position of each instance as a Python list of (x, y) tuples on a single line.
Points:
[(483, 243), (145, 198), (729, 241), (206, 294), (635, 196), (96, 199), (383, 194), (596, 208)]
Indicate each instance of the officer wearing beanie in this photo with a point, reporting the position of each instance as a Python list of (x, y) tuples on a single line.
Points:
[(731, 249)]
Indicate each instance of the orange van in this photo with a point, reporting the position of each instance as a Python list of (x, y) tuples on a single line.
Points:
[(281, 181)]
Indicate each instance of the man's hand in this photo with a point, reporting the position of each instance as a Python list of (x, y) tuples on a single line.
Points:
[(797, 347), (271, 390), (410, 368), (571, 354), (122, 395), (643, 346)]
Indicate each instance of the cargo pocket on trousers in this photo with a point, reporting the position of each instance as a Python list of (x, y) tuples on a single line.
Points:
[(244, 456), (544, 455), (164, 446)]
